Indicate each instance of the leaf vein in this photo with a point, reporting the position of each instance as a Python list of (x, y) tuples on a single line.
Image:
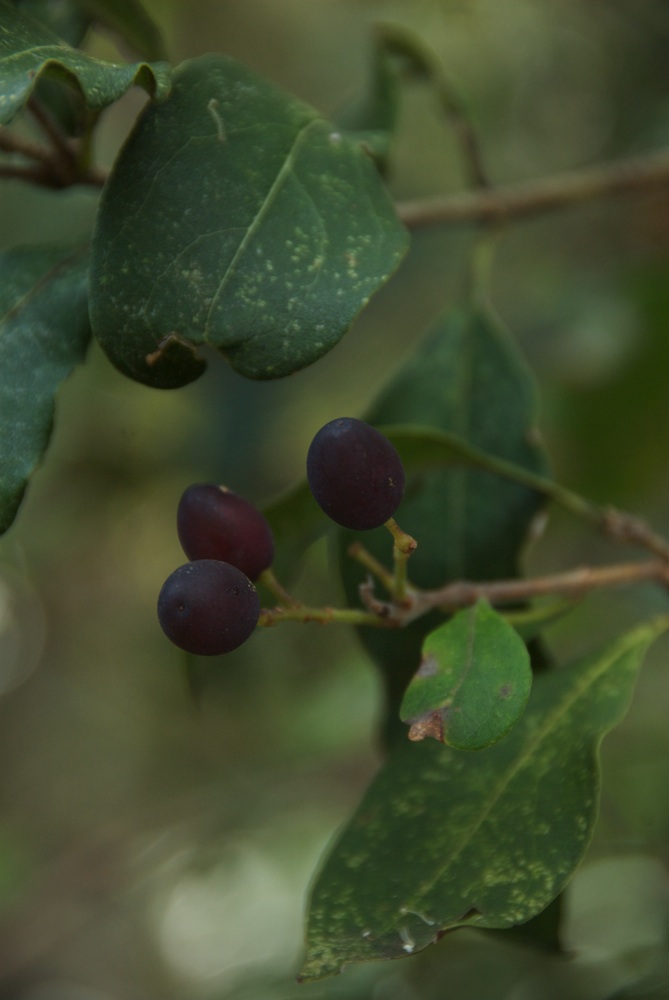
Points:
[(552, 720), (282, 175)]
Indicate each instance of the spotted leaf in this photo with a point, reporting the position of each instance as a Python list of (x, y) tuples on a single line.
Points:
[(473, 682), (447, 839), (236, 217)]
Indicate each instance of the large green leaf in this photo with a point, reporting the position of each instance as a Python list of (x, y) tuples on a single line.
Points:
[(29, 52), (447, 839), (467, 378), (235, 217), (44, 333), (469, 384), (473, 681)]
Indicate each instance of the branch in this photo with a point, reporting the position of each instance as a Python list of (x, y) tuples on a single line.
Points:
[(421, 61), (401, 611), (574, 583), (43, 175), (63, 156), (12, 143), (56, 166), (346, 616), (514, 201)]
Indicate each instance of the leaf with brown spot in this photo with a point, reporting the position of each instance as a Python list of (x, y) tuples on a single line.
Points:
[(445, 839), (236, 217), (473, 682)]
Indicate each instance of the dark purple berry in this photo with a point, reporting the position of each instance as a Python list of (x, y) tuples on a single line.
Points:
[(355, 474), (213, 523), (208, 607)]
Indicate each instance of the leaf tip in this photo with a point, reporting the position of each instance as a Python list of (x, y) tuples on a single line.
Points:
[(172, 364), (429, 725), (318, 967)]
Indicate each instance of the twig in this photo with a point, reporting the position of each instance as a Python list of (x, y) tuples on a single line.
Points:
[(49, 167), (302, 613), (574, 582), (632, 530), (513, 201), (12, 143), (63, 153), (401, 611), (403, 548), (464, 131), (421, 61), (382, 609), (619, 525), (268, 579), (357, 551), (43, 175)]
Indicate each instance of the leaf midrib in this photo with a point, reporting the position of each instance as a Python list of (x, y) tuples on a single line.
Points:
[(260, 215), (647, 633), (47, 276)]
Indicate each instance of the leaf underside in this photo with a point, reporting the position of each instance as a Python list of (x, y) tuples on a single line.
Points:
[(447, 839), (30, 52), (44, 333), (237, 218)]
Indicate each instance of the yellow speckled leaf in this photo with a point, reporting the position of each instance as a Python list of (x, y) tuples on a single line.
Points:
[(238, 218), (446, 839), (31, 52)]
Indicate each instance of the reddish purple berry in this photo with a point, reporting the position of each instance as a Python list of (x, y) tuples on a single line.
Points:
[(355, 474), (208, 607), (213, 523)]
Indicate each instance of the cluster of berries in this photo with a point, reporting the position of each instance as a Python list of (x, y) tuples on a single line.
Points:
[(210, 604)]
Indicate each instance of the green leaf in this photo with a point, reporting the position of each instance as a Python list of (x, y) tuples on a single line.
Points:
[(423, 448), (371, 119), (236, 217), (446, 839), (65, 105), (296, 521), (467, 379), (130, 20), (473, 681), (30, 52), (66, 19), (469, 400), (44, 333)]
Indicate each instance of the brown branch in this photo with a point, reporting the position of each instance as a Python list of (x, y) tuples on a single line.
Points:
[(51, 129), (628, 529), (12, 143), (514, 201), (452, 597), (54, 167), (43, 175), (574, 583)]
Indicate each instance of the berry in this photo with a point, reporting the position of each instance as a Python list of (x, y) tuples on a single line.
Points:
[(355, 474), (208, 607), (213, 523)]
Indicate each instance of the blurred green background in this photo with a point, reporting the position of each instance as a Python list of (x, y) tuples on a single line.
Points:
[(157, 845)]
